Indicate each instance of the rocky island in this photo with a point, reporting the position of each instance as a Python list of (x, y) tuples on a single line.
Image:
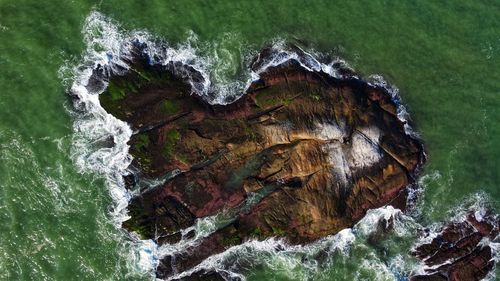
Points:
[(300, 155)]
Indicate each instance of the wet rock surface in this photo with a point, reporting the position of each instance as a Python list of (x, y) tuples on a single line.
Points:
[(460, 251), (301, 155)]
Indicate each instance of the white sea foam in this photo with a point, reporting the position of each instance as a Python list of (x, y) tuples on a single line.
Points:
[(300, 262), (372, 218), (281, 53), (373, 264), (94, 128)]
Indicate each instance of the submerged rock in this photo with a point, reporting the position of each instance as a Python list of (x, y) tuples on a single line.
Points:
[(301, 155), (460, 251)]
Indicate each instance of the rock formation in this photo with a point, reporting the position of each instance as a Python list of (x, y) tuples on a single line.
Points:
[(300, 155), (458, 252)]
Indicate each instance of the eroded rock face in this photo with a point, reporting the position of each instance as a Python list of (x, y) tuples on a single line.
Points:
[(457, 252), (301, 155)]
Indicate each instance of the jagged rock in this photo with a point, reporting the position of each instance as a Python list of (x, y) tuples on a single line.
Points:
[(319, 152), (129, 181), (381, 230), (456, 253)]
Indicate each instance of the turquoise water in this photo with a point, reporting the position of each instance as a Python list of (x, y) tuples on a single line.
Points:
[(57, 213)]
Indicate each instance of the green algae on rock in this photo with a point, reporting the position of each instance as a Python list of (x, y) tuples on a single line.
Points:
[(318, 150)]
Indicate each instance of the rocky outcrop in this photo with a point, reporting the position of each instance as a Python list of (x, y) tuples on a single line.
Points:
[(460, 251), (301, 155)]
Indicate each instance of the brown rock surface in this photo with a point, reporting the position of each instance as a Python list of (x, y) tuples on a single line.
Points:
[(319, 151)]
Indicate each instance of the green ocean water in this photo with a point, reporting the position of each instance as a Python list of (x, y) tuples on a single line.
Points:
[(55, 218)]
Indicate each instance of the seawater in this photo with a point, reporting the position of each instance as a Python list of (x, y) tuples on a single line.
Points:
[(61, 200)]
